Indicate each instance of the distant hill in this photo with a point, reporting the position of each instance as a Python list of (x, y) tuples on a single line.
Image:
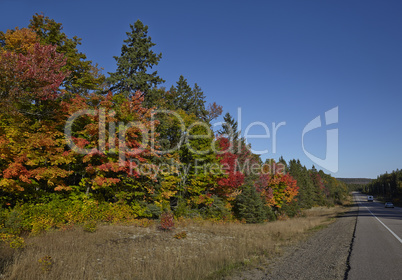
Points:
[(357, 181)]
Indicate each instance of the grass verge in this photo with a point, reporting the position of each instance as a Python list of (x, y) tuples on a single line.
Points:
[(192, 250)]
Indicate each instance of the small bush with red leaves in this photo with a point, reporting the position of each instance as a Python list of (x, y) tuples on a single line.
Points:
[(167, 221)]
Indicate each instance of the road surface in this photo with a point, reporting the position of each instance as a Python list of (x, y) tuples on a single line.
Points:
[(363, 244), (377, 245)]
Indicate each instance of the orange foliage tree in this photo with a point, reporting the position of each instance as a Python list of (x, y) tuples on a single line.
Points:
[(31, 146), (34, 154), (110, 137), (276, 187)]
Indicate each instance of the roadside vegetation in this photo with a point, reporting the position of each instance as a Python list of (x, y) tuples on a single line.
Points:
[(84, 156), (193, 249)]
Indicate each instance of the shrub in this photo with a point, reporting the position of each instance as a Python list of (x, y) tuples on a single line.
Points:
[(45, 263), (42, 223), (153, 211), (291, 210), (90, 226), (182, 209), (14, 241), (167, 221), (115, 213), (61, 213), (270, 213), (217, 210), (12, 221), (180, 235)]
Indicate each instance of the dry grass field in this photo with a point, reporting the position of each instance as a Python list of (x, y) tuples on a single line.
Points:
[(208, 251)]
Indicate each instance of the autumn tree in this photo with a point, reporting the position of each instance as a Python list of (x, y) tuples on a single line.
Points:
[(84, 76), (228, 185), (30, 74), (32, 155), (110, 145), (230, 130), (62, 135), (237, 145), (135, 62), (276, 187), (18, 40), (213, 111)]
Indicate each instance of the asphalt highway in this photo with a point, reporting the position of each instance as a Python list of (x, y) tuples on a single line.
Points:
[(377, 245)]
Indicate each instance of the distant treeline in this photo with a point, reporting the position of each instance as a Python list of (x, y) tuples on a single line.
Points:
[(388, 185), (355, 181), (355, 184)]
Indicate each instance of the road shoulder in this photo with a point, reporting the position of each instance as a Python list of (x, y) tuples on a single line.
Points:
[(323, 255)]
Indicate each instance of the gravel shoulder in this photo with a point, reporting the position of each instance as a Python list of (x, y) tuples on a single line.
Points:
[(323, 255)]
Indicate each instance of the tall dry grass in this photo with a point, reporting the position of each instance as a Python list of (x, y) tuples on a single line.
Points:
[(133, 252)]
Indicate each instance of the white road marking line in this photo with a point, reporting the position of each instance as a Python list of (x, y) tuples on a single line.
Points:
[(396, 236)]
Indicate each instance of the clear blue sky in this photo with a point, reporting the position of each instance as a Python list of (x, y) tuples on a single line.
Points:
[(280, 61)]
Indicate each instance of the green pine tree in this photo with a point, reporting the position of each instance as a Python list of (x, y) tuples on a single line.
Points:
[(192, 101), (306, 195), (250, 207), (229, 128), (134, 63)]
